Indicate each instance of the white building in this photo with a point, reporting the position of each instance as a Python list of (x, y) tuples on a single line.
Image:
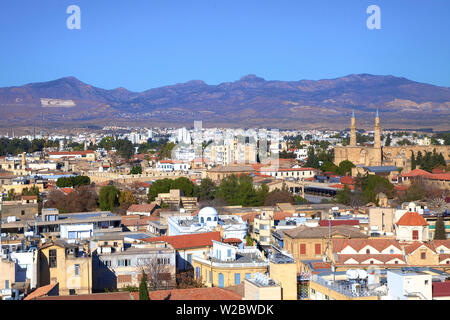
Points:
[(208, 220), (404, 285)]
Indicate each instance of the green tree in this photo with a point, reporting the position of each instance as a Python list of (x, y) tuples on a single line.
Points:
[(158, 186), (439, 231), (248, 240), (143, 289), (11, 195), (344, 196), (106, 143), (136, 170), (108, 198), (124, 148), (388, 140), (206, 190), (345, 167), (413, 161)]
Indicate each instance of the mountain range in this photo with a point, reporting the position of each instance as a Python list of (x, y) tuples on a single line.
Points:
[(249, 102)]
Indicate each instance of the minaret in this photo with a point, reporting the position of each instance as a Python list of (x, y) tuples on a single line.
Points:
[(353, 130), (24, 161), (377, 132), (377, 142)]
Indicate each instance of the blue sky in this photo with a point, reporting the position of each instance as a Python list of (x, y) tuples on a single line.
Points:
[(142, 44)]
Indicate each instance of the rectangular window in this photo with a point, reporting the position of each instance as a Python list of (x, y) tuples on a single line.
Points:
[(210, 277), (52, 258), (229, 253), (302, 248), (189, 258), (77, 269), (124, 263), (423, 255), (415, 235), (72, 235), (248, 276), (72, 292), (318, 248), (237, 278)]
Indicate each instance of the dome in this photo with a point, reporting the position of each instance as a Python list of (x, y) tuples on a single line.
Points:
[(208, 211)]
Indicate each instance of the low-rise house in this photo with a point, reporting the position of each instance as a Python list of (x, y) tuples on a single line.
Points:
[(227, 265), (187, 246), (68, 264)]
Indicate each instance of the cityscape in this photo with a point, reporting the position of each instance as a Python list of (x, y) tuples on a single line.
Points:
[(336, 188)]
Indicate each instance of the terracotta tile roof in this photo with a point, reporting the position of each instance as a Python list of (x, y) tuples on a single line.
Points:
[(232, 240), (379, 244), (360, 258), (443, 257), (145, 207), (416, 173), (342, 186), (321, 265), (412, 219), (250, 217), (41, 291), (96, 296), (213, 293), (409, 249), (445, 243), (441, 289), (189, 240), (347, 180), (66, 190), (439, 176), (281, 215), (325, 223)]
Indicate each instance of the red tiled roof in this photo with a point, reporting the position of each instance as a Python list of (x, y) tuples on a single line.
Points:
[(443, 257), (325, 223), (189, 240), (416, 173), (439, 176), (41, 291), (29, 197), (412, 219), (347, 180), (310, 179), (358, 244), (145, 207), (342, 186), (321, 265), (232, 240), (281, 215), (384, 258), (400, 188), (250, 217), (413, 247), (66, 190), (213, 293), (441, 289)]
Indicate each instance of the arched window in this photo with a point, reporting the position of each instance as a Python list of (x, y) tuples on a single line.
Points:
[(202, 220), (208, 219)]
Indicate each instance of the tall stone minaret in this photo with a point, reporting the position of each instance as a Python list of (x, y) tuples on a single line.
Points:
[(378, 158), (353, 130), (377, 132)]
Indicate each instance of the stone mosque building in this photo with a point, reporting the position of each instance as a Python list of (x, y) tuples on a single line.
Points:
[(378, 155)]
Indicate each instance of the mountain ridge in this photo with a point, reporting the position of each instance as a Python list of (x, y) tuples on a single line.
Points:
[(251, 100)]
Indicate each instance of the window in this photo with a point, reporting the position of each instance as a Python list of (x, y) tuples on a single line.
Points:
[(391, 251), (72, 292), (248, 276), (6, 284), (197, 272), (124, 263), (189, 258), (115, 244), (368, 251), (415, 235), (302, 248), (426, 282), (52, 258), (237, 278), (313, 291), (210, 276), (22, 212), (77, 269), (423, 255), (72, 235), (229, 253), (318, 248), (327, 297)]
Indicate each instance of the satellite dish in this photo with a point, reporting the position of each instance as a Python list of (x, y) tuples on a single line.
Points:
[(352, 274), (362, 274)]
